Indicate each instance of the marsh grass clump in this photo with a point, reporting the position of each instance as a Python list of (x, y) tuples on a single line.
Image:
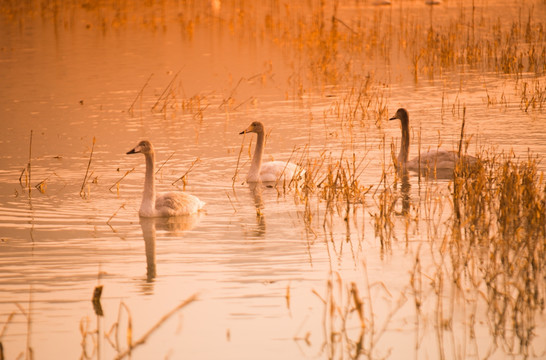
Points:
[(340, 185), (470, 39), (532, 94), (330, 186), (502, 229)]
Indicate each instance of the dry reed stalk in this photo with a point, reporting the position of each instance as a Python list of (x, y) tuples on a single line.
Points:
[(116, 184), (139, 95), (502, 229), (183, 177), (26, 171), (231, 202), (132, 345), (29, 163), (82, 193), (229, 99), (164, 162), (115, 213), (234, 178), (167, 89), (42, 185)]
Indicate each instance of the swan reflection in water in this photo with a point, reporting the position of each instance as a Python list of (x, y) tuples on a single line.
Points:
[(173, 226), (405, 188), (256, 192)]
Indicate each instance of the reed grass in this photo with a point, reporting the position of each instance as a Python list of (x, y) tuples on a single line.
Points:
[(123, 349), (139, 95), (493, 247), (118, 182), (132, 345), (164, 97), (186, 173), (502, 228), (349, 323), (26, 172), (83, 193)]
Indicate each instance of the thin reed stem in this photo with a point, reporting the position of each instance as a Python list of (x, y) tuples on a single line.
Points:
[(82, 193)]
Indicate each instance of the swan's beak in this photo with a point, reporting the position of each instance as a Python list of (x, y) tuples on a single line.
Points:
[(247, 130), (393, 118), (133, 151)]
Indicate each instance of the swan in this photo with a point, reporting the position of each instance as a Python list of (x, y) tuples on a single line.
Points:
[(165, 204), (270, 171), (439, 160)]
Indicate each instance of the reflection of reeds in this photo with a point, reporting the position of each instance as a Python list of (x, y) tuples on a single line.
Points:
[(27, 313)]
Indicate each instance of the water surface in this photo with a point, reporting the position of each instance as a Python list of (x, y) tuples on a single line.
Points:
[(83, 84)]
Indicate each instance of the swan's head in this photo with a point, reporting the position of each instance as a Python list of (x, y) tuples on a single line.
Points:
[(144, 147), (401, 114), (255, 127)]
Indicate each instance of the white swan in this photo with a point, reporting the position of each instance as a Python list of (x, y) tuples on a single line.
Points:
[(270, 171), (166, 204), (439, 161)]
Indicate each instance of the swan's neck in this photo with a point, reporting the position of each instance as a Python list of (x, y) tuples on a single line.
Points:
[(256, 165), (404, 147), (147, 207)]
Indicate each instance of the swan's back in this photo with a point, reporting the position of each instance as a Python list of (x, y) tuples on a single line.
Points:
[(273, 171), (439, 160), (177, 204)]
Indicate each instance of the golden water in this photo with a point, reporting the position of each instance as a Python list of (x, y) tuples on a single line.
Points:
[(74, 73)]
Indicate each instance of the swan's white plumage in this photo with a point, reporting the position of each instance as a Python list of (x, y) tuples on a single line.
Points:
[(270, 171), (278, 170), (438, 159), (174, 204), (165, 204)]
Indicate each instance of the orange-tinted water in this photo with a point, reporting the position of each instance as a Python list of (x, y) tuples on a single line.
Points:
[(73, 75)]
